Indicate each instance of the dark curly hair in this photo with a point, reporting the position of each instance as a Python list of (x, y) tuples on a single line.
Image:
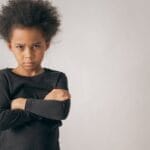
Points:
[(29, 13)]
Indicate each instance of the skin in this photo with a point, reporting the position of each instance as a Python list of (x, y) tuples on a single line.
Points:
[(29, 46)]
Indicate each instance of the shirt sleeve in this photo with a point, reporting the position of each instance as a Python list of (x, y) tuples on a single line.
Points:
[(10, 118), (51, 109)]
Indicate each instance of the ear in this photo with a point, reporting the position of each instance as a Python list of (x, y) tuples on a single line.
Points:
[(47, 45), (9, 45)]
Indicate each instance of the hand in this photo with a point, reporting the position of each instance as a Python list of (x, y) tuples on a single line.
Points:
[(18, 103), (58, 94)]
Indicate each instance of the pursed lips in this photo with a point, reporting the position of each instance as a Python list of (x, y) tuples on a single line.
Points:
[(28, 62)]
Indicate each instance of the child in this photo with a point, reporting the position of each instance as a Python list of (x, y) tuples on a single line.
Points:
[(33, 99)]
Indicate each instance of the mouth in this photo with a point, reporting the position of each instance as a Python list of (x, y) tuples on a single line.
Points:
[(28, 63)]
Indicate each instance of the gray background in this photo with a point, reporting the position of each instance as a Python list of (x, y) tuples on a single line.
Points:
[(103, 47)]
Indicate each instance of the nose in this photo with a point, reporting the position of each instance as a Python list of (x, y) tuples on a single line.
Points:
[(28, 53)]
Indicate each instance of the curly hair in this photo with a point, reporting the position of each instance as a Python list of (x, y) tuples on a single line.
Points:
[(29, 13)]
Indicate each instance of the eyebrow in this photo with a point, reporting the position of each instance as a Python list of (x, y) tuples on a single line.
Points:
[(37, 43), (24, 44)]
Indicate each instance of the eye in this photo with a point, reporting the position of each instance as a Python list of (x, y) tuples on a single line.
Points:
[(19, 46), (36, 46)]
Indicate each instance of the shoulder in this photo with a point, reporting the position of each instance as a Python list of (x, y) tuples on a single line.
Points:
[(3, 76), (56, 73), (3, 72), (59, 77)]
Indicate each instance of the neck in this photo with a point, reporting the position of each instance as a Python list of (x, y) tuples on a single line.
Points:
[(28, 72)]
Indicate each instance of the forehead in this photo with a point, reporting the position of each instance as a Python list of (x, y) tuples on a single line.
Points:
[(26, 35)]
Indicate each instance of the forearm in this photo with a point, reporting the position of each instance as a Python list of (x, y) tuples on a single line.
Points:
[(16, 115), (50, 109), (12, 118)]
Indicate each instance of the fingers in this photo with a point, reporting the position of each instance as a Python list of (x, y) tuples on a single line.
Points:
[(58, 94)]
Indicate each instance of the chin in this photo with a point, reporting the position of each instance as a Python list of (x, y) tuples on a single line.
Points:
[(31, 67)]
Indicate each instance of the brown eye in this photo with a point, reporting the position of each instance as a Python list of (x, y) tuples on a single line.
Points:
[(19, 47), (36, 46)]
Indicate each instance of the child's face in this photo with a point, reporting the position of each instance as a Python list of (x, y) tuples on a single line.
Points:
[(28, 45)]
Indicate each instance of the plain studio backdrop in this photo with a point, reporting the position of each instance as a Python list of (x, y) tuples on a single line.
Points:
[(104, 48)]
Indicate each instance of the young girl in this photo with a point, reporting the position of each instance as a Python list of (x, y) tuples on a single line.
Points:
[(33, 99)]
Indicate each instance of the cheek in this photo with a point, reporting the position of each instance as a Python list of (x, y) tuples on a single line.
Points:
[(40, 55), (18, 55)]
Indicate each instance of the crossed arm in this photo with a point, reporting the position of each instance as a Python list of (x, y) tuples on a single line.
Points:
[(55, 105), (55, 100)]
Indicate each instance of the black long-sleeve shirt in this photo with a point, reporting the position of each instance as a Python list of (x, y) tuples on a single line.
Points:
[(36, 127)]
